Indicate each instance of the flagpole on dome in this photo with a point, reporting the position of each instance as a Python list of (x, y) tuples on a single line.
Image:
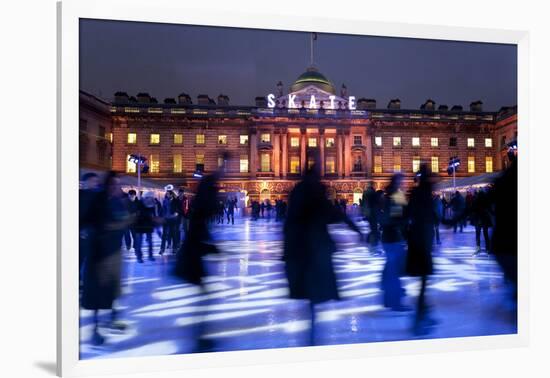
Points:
[(313, 38)]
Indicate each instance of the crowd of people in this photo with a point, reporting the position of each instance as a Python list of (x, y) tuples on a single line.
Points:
[(405, 227)]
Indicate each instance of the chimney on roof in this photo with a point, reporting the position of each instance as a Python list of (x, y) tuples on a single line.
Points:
[(344, 91), (279, 89), (456, 108), (223, 100), (394, 104), (366, 103), (121, 97), (443, 108), (261, 102), (143, 98), (132, 100), (476, 106), (428, 105), (203, 99), (169, 100), (184, 99), (154, 100)]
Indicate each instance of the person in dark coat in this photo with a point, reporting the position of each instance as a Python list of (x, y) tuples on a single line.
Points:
[(86, 195), (109, 218), (505, 232), (393, 223), (438, 212), (482, 219), (170, 213), (420, 241), (458, 205), (132, 202), (189, 260), (308, 247), (145, 225)]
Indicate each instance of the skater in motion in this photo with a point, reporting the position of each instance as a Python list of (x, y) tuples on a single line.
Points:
[(108, 218), (308, 247), (190, 265)]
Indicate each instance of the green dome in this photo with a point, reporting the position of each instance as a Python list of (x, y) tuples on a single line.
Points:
[(313, 77)]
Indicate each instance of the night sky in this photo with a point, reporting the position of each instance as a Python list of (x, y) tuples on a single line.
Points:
[(166, 60)]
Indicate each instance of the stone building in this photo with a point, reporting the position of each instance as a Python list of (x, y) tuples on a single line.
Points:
[(358, 140)]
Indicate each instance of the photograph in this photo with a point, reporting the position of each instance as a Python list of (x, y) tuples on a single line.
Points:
[(252, 189)]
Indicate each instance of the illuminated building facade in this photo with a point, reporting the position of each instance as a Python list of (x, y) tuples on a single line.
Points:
[(359, 142)]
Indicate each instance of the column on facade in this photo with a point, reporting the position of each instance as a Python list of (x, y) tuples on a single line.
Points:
[(276, 153), (369, 168), (253, 152), (339, 154), (284, 157), (347, 153), (303, 150), (322, 150)]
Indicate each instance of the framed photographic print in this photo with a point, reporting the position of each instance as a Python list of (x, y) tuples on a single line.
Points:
[(243, 188)]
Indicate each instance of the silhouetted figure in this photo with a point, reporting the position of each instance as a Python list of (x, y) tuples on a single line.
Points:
[(482, 219), (458, 205), (170, 213), (132, 202), (505, 232), (198, 243), (393, 223), (308, 247), (145, 224), (230, 206), (108, 218), (86, 196), (438, 211), (420, 241)]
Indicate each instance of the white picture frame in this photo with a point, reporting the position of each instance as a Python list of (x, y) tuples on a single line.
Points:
[(69, 12)]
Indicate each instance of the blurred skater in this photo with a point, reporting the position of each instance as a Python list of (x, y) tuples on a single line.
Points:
[(308, 247), (393, 240), (481, 219), (109, 218), (145, 225), (198, 243), (420, 241)]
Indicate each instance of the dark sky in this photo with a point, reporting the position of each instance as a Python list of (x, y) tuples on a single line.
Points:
[(166, 60)]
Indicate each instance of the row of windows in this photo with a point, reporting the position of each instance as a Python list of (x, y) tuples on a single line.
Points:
[(330, 164), (311, 142)]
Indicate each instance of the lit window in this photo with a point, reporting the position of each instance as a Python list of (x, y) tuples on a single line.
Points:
[(154, 166), (177, 163), (416, 164), (378, 141), (310, 162), (377, 164), (435, 142), (294, 141), (312, 142), (130, 166), (488, 164), (435, 164), (329, 142), (243, 139), (471, 142), (222, 139), (265, 162), (199, 162), (178, 138), (471, 164), (357, 140), (155, 139), (416, 142), (330, 164), (109, 137), (132, 138), (243, 165), (265, 138), (397, 141), (199, 139), (488, 142), (294, 164), (397, 163)]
